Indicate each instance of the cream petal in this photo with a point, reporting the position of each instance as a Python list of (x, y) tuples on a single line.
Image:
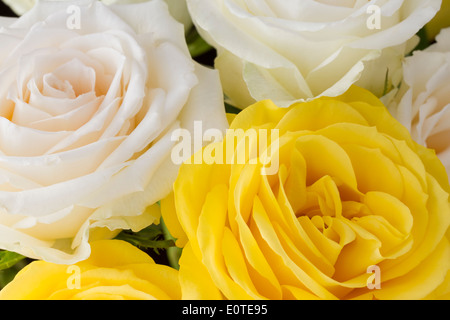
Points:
[(136, 176), (21, 141), (57, 106), (63, 224), (442, 43), (229, 36), (263, 85), (405, 29), (178, 9), (309, 9), (422, 104), (24, 114), (231, 76), (21, 238), (33, 69), (150, 181), (54, 13), (95, 127), (353, 74), (30, 222), (444, 118), (154, 19), (69, 121), (39, 39), (9, 41), (57, 88), (39, 249), (175, 75), (131, 102), (57, 168), (6, 21), (211, 114), (140, 138), (80, 77), (35, 202), (10, 181), (90, 131)]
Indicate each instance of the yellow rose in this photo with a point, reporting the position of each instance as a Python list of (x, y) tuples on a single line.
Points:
[(114, 270), (356, 210)]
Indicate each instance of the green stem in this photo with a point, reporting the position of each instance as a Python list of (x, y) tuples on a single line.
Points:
[(173, 253), (196, 44)]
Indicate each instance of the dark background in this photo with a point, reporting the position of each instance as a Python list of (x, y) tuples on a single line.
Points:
[(6, 11)]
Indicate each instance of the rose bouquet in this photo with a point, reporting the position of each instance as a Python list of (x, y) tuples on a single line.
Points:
[(225, 149)]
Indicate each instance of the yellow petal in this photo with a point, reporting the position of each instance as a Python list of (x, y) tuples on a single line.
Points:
[(420, 281), (36, 281), (374, 171), (195, 281), (210, 232), (236, 264), (319, 114), (325, 157), (269, 235), (123, 292), (169, 215), (160, 276), (115, 253)]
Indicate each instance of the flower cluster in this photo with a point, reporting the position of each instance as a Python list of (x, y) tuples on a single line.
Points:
[(268, 149)]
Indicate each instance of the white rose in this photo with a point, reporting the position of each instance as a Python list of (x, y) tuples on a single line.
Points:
[(177, 8), (89, 97), (423, 102), (294, 50)]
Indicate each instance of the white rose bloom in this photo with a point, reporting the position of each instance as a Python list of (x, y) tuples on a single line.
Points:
[(177, 8), (89, 97), (294, 50), (423, 102)]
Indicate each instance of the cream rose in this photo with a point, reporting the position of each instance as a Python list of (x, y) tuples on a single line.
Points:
[(89, 97), (177, 8), (297, 50), (423, 102)]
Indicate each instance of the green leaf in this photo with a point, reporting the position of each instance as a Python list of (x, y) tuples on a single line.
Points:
[(424, 41), (151, 237), (173, 253), (231, 109), (196, 44), (387, 85), (6, 276), (9, 259)]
